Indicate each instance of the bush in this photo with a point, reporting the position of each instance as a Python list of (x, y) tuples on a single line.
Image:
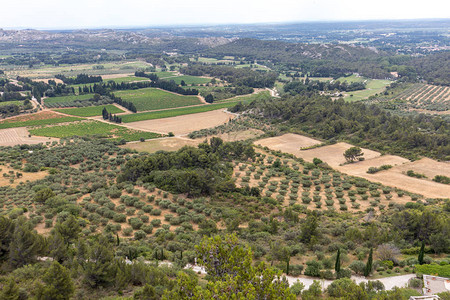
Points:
[(136, 223), (156, 222), (357, 266), (442, 271), (127, 231), (313, 268), (139, 235), (415, 283), (344, 273), (297, 288), (147, 228)]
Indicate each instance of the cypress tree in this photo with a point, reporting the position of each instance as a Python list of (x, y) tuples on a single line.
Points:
[(337, 265), (421, 253), (369, 264), (287, 264)]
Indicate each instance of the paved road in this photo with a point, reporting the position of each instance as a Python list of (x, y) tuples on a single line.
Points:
[(389, 282)]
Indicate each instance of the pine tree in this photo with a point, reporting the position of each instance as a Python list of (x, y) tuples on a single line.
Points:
[(368, 269), (421, 253), (337, 265), (25, 245), (10, 291), (58, 284)]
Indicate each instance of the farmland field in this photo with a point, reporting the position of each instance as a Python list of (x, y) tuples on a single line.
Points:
[(190, 79), (93, 128), (175, 112), (11, 102), (426, 96), (126, 79), (70, 98), (168, 144), (151, 99), (394, 177), (374, 86), (38, 119), (90, 111), (184, 124)]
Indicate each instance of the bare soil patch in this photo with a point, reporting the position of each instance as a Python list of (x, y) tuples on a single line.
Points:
[(47, 79), (18, 136), (236, 135), (4, 181), (43, 115), (397, 178), (290, 143), (112, 76), (394, 177), (166, 144), (184, 124)]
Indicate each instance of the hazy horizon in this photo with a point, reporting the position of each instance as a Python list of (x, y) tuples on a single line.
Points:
[(113, 14)]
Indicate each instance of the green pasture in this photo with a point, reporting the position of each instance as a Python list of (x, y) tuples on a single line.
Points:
[(9, 123), (90, 111), (93, 128), (151, 99), (70, 98)]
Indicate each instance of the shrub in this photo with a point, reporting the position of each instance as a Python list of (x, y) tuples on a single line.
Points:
[(139, 235), (357, 266), (155, 212), (344, 273), (136, 223), (156, 222), (313, 268), (127, 231), (297, 288)]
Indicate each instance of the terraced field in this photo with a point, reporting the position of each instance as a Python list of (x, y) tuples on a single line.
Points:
[(151, 99), (426, 96)]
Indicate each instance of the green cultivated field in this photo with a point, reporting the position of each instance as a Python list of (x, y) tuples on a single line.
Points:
[(352, 78), (151, 99), (96, 128), (70, 98), (126, 79), (12, 124), (374, 86), (90, 111), (248, 98), (11, 102), (190, 79), (164, 74), (193, 110)]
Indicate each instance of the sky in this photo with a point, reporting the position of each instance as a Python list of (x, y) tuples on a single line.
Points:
[(67, 14)]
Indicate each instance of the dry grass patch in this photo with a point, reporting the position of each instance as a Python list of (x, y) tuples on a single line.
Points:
[(289, 143), (167, 144), (184, 124)]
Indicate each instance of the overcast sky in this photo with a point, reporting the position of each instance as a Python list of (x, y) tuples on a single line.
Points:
[(63, 14)]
